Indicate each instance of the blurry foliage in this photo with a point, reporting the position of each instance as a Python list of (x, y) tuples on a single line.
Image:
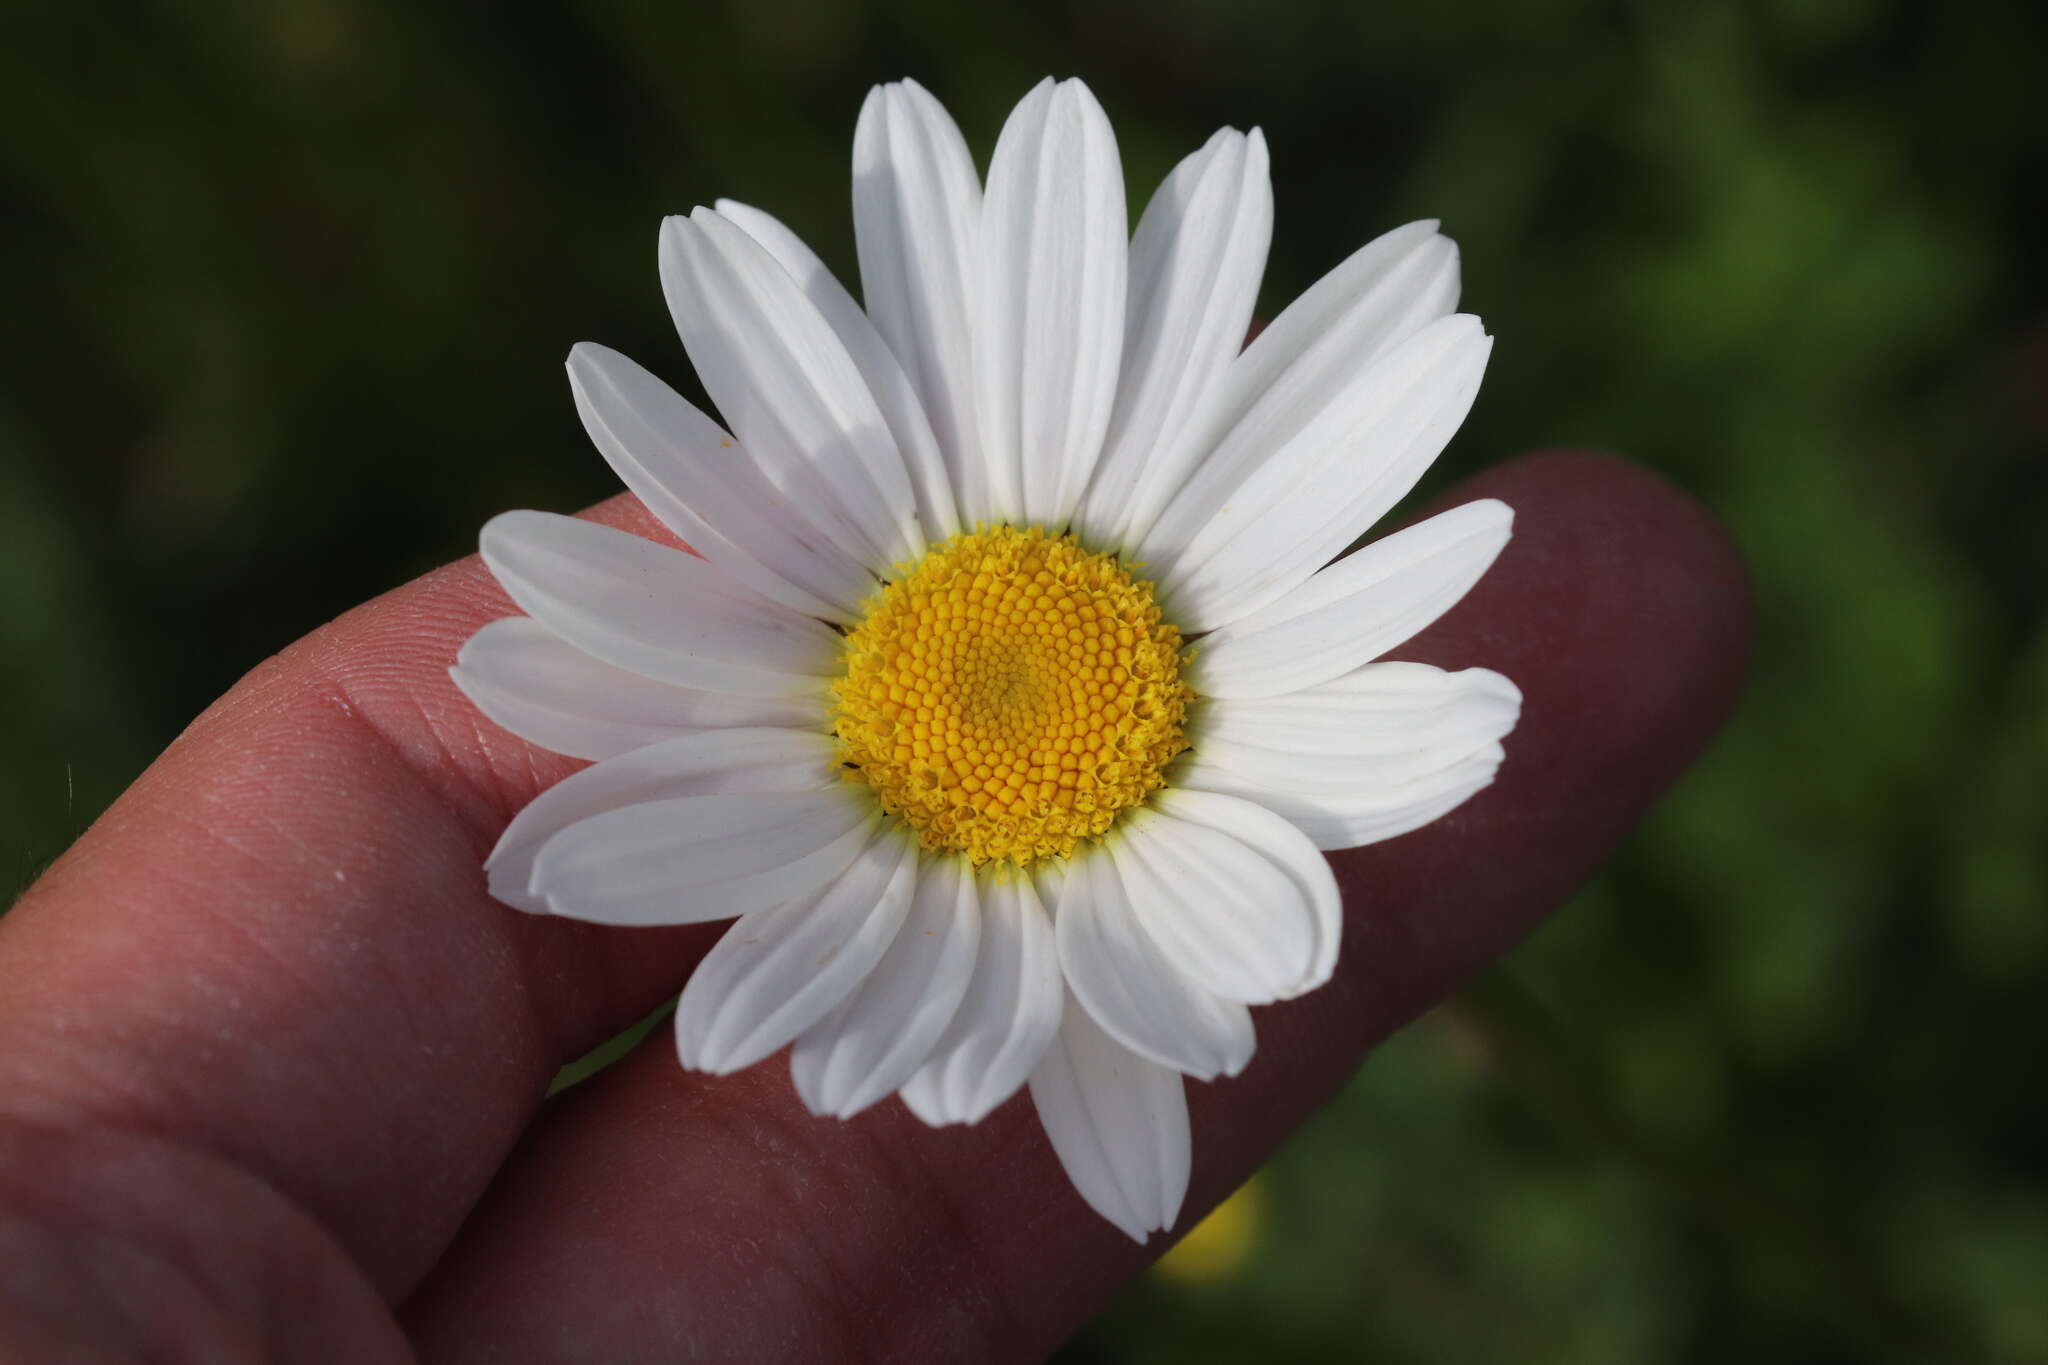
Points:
[(289, 284)]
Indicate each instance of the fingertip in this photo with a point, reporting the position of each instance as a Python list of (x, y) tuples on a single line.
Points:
[(1632, 537), (1620, 608), (1620, 611)]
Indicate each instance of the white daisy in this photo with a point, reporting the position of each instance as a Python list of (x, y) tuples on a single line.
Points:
[(1012, 693)]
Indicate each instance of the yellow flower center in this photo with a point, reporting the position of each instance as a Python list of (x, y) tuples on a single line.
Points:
[(1011, 695)]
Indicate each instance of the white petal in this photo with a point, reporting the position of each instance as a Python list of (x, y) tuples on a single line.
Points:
[(1049, 320), (780, 969), (1131, 987), (1196, 260), (660, 612), (1280, 843), (1388, 289), (893, 391), (1355, 610), (548, 692), (1299, 509), (708, 490), (688, 859), (784, 381), (1222, 908), (1381, 751), (1119, 1125), (1008, 1015), (1340, 822), (1378, 726), (1049, 876), (1378, 709), (737, 760), (916, 217), (882, 1033)]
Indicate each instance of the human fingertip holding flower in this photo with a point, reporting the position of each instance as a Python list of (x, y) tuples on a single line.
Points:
[(1016, 685)]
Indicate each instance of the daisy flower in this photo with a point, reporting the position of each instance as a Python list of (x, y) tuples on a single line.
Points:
[(1019, 676)]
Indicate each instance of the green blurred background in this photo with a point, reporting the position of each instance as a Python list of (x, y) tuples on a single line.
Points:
[(290, 285)]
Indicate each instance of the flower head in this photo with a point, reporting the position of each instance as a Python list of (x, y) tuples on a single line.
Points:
[(1016, 682), (1011, 696)]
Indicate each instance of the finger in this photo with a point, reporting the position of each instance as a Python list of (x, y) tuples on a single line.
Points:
[(276, 953), (654, 1213)]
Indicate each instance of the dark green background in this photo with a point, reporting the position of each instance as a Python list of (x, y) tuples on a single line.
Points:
[(289, 286)]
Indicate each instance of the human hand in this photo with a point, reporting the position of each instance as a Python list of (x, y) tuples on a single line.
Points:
[(272, 1062)]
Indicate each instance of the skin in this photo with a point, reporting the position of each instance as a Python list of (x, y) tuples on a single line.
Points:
[(272, 1062)]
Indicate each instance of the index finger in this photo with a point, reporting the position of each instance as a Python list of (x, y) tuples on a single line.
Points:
[(655, 1213)]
